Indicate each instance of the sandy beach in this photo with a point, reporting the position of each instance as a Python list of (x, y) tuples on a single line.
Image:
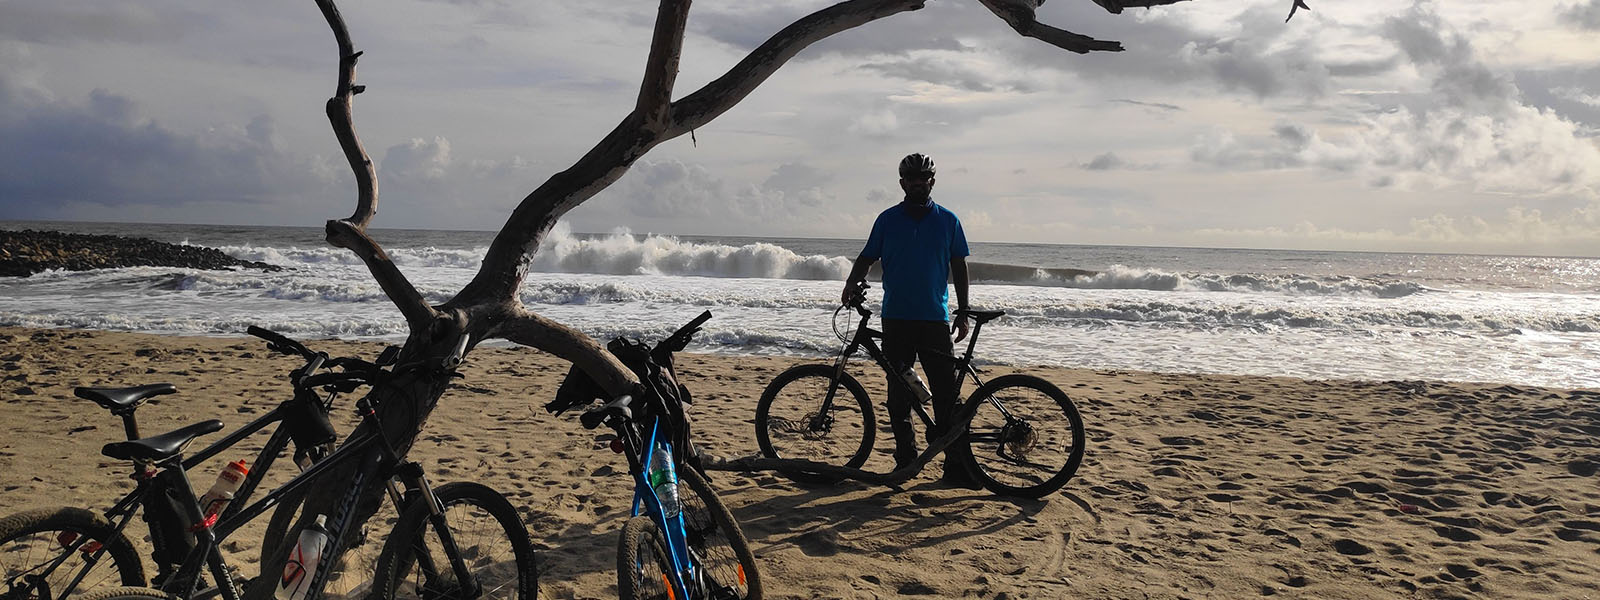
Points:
[(1193, 487)]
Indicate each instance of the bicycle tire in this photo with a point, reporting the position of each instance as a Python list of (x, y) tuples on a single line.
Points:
[(717, 538), (468, 509), (788, 424), (352, 574), (129, 593), (642, 562), (1020, 456), (33, 538)]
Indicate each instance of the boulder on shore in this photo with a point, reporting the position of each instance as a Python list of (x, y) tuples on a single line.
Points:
[(23, 253)]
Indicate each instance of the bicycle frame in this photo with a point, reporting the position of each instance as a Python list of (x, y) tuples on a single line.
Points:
[(683, 570), (865, 338), (121, 513)]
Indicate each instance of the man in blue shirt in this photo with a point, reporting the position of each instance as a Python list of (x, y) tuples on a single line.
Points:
[(922, 248)]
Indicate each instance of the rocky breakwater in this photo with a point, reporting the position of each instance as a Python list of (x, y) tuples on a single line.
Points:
[(23, 253)]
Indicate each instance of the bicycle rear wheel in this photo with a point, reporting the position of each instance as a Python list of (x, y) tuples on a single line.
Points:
[(642, 563), (724, 554), (791, 421), (1027, 437), (43, 551), (487, 533)]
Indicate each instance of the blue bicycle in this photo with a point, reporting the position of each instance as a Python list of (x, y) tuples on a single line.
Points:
[(681, 542)]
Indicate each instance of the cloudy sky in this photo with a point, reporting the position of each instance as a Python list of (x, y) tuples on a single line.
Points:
[(1460, 126)]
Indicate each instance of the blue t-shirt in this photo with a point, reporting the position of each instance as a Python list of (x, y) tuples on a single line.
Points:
[(916, 257)]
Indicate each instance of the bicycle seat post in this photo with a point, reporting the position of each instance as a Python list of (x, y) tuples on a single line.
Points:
[(130, 424)]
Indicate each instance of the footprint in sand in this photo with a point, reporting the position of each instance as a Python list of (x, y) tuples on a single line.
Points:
[(821, 542), (1456, 534), (1351, 547)]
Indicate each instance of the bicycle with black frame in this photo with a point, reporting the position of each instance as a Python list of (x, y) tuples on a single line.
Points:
[(680, 542), (59, 553), (1026, 435)]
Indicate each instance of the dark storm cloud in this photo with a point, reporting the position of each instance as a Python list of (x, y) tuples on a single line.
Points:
[(104, 152), (1462, 80), (1363, 68), (1571, 93), (65, 22), (1584, 15)]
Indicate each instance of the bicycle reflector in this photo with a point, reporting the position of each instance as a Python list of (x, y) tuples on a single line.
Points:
[(616, 445)]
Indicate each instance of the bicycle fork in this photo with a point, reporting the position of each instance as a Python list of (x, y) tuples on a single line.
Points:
[(414, 479)]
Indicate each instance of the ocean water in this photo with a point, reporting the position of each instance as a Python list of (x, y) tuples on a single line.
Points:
[(1319, 315)]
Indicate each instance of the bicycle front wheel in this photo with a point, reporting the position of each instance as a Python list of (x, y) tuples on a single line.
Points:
[(489, 539), (351, 577), (792, 421), (642, 563), (43, 551), (725, 560), (1027, 437)]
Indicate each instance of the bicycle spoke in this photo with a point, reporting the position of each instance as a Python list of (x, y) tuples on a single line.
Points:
[(1026, 436)]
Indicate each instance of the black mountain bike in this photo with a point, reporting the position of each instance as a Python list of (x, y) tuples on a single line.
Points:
[(681, 542), (1027, 437), (70, 552)]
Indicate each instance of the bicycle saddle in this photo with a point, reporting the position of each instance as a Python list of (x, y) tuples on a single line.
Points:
[(981, 316), (160, 447), (119, 400)]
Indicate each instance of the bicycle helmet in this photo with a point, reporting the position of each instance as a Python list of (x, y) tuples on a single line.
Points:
[(916, 164)]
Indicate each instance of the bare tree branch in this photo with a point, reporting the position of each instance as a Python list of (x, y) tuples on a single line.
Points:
[(339, 109), (661, 69), (1019, 14), (533, 330), (394, 283), (505, 264), (352, 233), (707, 103), (1115, 6)]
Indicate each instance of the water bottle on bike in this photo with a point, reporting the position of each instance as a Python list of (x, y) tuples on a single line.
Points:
[(221, 492), (303, 561), (662, 481), (914, 381)]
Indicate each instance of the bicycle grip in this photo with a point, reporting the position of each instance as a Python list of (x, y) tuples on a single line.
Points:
[(594, 417), (280, 342), (688, 329)]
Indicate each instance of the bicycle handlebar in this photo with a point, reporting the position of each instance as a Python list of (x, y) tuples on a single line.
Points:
[(680, 338), (357, 371)]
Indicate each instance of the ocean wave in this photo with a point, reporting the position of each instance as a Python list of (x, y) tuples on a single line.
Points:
[(623, 253), (1119, 277), (1355, 319), (193, 325), (620, 253)]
